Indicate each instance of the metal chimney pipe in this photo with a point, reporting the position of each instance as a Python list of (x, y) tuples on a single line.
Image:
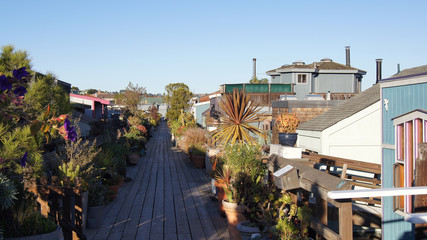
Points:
[(254, 74), (398, 68), (379, 65), (347, 56)]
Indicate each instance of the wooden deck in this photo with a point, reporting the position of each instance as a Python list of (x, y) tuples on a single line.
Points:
[(167, 199)]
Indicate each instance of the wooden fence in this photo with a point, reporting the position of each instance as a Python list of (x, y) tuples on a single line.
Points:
[(373, 169)]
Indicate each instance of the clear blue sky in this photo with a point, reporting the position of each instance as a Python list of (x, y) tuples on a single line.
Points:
[(105, 44)]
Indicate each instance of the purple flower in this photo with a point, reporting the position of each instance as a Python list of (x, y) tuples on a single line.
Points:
[(71, 133), (20, 73), (20, 91), (24, 160), (4, 83)]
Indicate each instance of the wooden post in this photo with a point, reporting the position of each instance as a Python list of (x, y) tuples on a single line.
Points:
[(344, 171), (345, 217), (321, 213)]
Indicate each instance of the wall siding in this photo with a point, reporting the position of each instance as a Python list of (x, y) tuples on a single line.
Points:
[(402, 99)]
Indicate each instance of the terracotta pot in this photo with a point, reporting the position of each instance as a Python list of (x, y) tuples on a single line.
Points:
[(220, 185), (198, 161), (235, 216), (114, 189)]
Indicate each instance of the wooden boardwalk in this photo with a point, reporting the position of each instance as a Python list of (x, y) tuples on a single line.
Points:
[(167, 199)]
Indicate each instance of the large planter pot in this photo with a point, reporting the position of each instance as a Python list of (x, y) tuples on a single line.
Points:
[(198, 161), (220, 185), (95, 217), (235, 216), (132, 158), (288, 139), (55, 235), (246, 230)]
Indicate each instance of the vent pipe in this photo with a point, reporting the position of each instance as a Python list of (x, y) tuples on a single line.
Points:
[(254, 74), (398, 68), (379, 65), (347, 56)]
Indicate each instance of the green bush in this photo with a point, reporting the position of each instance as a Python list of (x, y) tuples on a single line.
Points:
[(36, 224)]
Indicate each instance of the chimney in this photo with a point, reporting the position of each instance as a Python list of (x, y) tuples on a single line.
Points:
[(398, 68), (254, 60), (347, 56), (379, 64)]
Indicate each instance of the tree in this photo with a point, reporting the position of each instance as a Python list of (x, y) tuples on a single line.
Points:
[(177, 97), (43, 92), (131, 97), (74, 88), (91, 91), (11, 59), (255, 80)]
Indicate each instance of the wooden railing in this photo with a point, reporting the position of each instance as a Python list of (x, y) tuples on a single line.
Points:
[(373, 169)]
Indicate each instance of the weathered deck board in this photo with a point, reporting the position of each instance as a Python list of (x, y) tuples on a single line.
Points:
[(167, 199)]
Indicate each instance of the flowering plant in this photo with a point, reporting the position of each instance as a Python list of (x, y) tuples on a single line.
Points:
[(20, 155)]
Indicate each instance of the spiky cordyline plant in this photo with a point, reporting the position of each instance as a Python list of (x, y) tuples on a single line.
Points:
[(237, 113)]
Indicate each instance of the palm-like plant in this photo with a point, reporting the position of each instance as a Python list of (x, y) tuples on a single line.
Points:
[(237, 113)]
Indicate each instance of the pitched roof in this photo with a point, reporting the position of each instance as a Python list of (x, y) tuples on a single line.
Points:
[(411, 71), (343, 110), (325, 64)]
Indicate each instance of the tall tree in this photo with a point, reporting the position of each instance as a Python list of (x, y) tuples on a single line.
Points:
[(11, 59), (177, 97)]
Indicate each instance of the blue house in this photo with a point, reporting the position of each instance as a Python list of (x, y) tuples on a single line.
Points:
[(404, 124)]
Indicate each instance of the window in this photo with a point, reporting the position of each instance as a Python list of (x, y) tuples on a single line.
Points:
[(410, 130), (302, 78)]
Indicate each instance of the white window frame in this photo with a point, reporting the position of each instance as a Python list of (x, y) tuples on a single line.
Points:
[(302, 74)]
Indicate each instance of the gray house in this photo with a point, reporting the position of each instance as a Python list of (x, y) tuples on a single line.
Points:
[(319, 78)]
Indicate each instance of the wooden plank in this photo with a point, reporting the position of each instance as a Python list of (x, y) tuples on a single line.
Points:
[(323, 230), (142, 175), (345, 213), (170, 232), (147, 209), (183, 228), (158, 211), (193, 219), (339, 162)]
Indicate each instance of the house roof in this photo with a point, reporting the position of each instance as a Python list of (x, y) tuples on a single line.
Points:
[(343, 110), (324, 64), (411, 71)]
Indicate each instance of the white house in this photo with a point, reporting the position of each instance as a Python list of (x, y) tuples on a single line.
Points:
[(349, 130)]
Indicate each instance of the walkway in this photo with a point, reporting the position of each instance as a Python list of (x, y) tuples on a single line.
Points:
[(167, 199)]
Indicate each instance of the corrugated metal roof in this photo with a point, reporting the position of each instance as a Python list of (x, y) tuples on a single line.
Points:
[(343, 110)]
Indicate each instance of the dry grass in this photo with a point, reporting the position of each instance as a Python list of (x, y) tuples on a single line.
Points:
[(193, 136)]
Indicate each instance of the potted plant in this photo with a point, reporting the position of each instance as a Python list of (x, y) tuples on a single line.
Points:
[(222, 179), (97, 199), (287, 124), (245, 165), (293, 220), (198, 155)]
